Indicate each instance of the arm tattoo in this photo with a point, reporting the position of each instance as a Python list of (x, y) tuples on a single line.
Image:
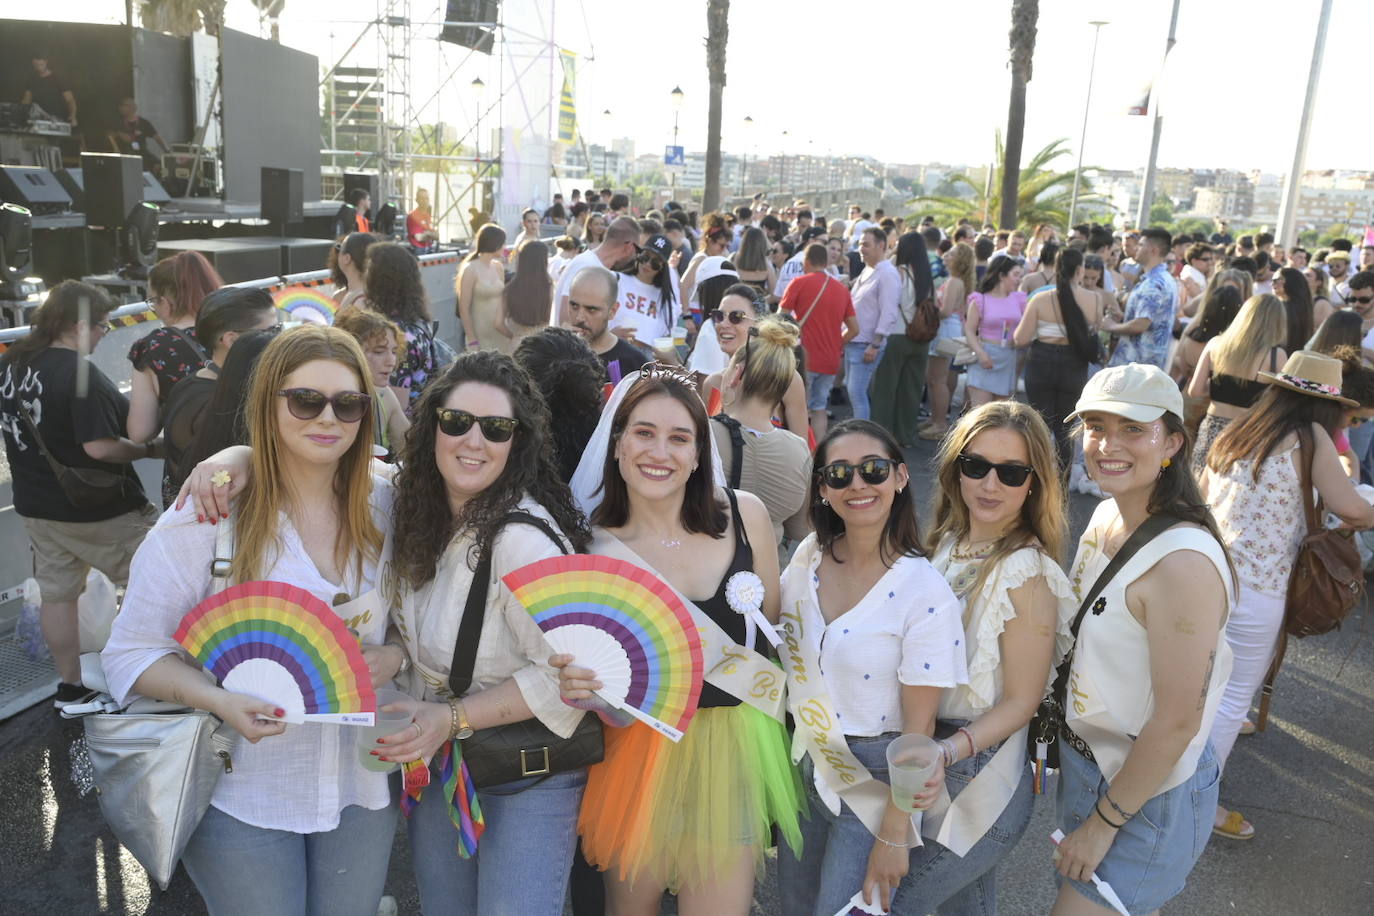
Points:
[(1207, 678)]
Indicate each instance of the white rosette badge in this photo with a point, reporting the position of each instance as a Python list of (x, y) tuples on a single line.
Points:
[(744, 593)]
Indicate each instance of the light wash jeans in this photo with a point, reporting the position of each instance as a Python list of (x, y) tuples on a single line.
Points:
[(242, 870), (835, 851), (858, 377), (522, 861)]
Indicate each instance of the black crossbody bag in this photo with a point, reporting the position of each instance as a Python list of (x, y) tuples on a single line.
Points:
[(85, 488), (517, 750), (1049, 718)]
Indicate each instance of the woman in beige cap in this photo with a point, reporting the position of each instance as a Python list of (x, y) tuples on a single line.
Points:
[(1137, 773), (1252, 482)]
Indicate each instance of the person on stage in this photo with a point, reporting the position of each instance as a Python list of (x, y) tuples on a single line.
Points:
[(49, 91), (134, 136)]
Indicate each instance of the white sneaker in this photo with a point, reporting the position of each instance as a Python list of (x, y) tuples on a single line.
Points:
[(387, 906)]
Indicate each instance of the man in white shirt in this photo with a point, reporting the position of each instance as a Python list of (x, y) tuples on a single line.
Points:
[(877, 294), (858, 224), (616, 252)]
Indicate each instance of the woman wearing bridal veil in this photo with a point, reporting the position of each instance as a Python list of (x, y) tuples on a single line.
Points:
[(694, 816)]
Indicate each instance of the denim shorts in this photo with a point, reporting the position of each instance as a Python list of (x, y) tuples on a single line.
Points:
[(1149, 861), (818, 388)]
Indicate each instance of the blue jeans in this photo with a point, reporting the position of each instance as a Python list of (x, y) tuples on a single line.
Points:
[(835, 850), (858, 377), (242, 870), (522, 861)]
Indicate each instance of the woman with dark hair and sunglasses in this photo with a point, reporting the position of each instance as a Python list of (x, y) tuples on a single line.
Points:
[(647, 296), (871, 639), (695, 815), (347, 260), (1138, 776), (998, 529), (741, 308), (300, 825)]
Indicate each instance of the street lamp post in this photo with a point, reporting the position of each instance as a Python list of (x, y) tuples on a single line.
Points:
[(748, 135), (605, 173), (1097, 25), (676, 95), (478, 88)]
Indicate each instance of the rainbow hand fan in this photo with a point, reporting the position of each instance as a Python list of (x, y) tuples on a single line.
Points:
[(625, 624), (281, 644), (301, 303)]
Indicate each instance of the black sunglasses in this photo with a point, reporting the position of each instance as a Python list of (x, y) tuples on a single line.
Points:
[(1363, 300), (458, 422), (1011, 475), (307, 404), (840, 474), (736, 317), (652, 260)]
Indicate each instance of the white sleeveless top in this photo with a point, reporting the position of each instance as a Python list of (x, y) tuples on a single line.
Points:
[(1111, 696)]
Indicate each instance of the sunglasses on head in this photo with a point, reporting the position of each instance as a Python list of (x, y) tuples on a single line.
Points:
[(1011, 475), (457, 423), (840, 474), (307, 404), (736, 316)]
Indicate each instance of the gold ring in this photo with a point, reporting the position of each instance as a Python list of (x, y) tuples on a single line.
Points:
[(220, 479), (418, 730)]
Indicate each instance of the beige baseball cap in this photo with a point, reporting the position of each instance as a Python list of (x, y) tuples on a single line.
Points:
[(1135, 391)]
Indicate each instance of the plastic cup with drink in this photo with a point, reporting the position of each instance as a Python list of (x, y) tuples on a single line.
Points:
[(387, 723), (911, 762)]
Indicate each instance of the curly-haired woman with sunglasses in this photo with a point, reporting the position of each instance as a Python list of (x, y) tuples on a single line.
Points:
[(871, 640), (695, 815), (299, 825), (998, 530)]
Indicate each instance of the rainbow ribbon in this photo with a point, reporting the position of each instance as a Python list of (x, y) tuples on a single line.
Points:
[(464, 809)]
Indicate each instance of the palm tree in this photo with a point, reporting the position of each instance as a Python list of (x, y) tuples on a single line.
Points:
[(717, 34), (182, 17), (1042, 192), (1024, 14)]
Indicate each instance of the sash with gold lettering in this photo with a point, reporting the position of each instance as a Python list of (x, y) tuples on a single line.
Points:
[(839, 774), (739, 671)]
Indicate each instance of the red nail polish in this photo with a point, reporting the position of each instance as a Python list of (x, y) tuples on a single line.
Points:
[(383, 759), (224, 515), (375, 753), (279, 713), (200, 519), (381, 741)]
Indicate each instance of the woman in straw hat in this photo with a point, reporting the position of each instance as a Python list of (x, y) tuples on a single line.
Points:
[(1137, 773), (1252, 482)]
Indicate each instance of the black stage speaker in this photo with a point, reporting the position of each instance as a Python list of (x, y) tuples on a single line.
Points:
[(301, 255), (154, 192), (114, 186), (75, 186), (236, 260), (283, 195), (477, 37), (37, 190), (368, 182)]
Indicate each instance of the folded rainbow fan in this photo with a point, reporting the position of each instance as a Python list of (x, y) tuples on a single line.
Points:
[(281, 644), (625, 624), (302, 303)]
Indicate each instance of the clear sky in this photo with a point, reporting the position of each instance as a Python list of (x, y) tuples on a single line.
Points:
[(902, 80)]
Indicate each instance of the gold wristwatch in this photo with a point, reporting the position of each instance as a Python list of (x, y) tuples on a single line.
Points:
[(462, 728)]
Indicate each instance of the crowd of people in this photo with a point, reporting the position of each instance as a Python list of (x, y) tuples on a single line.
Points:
[(661, 390)]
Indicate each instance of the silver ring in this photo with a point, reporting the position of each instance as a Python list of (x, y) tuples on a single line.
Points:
[(418, 730)]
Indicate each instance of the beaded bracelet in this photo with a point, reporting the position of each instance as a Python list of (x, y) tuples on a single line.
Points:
[(948, 751), (891, 844), (453, 725), (1115, 807), (972, 747)]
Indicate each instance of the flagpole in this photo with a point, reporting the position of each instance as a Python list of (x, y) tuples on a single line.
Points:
[(1292, 186), (1147, 185)]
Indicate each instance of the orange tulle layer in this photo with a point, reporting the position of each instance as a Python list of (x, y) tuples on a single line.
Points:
[(679, 813)]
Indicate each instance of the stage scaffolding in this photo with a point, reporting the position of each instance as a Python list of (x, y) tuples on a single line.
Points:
[(494, 157)]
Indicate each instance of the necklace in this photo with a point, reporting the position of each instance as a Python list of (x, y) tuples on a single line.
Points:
[(971, 553), (670, 543)]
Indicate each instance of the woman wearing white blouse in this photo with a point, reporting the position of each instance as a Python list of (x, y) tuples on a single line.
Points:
[(298, 826), (863, 609), (999, 526)]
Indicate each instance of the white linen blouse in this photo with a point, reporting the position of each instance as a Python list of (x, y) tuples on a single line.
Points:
[(302, 779), (905, 631), (510, 645)]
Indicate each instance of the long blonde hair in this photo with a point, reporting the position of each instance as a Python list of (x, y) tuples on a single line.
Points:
[(258, 528), (1260, 325), (1043, 523), (963, 262)]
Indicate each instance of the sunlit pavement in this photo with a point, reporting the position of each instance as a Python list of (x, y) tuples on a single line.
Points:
[(1307, 784)]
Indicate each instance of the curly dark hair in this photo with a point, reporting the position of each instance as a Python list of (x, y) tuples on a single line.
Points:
[(428, 525), (394, 287), (571, 377)]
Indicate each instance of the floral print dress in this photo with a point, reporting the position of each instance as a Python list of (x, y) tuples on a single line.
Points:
[(173, 354), (1261, 521)]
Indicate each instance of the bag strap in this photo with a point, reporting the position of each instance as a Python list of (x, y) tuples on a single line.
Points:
[(223, 562), (1150, 529), (475, 610), (826, 282), (1311, 509), (56, 466), (191, 341), (732, 426)]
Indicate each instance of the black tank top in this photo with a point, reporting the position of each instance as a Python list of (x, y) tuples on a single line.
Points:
[(719, 610), (1236, 391)]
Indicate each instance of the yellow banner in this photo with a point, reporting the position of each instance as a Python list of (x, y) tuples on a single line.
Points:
[(567, 105)]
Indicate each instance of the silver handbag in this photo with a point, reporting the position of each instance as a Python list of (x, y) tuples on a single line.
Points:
[(155, 765)]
